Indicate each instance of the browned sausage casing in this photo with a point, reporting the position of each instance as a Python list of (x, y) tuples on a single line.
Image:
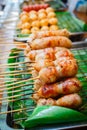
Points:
[(53, 41)]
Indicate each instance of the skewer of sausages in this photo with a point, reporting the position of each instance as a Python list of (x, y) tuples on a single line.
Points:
[(52, 41), (51, 53), (41, 34), (64, 67), (68, 86), (70, 101)]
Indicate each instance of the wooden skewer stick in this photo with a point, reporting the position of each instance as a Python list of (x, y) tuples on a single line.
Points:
[(14, 51), (13, 111), (17, 71), (16, 74), (10, 57), (9, 67), (15, 91), (16, 83), (17, 63), (17, 99), (15, 96), (14, 87), (10, 78), (12, 43)]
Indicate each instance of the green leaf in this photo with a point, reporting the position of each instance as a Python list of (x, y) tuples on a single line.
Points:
[(52, 114)]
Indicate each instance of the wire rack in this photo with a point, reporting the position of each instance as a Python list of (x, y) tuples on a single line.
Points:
[(20, 103)]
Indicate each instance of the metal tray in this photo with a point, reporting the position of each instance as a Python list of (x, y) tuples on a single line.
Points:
[(6, 121)]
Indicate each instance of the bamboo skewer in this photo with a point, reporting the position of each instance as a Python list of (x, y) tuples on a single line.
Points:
[(16, 83), (15, 67), (2, 42), (14, 51), (15, 96), (13, 100), (13, 111), (14, 87), (17, 63), (11, 80), (15, 91), (10, 57), (17, 71), (16, 74)]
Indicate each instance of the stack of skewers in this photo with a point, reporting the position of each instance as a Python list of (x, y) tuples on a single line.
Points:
[(54, 69)]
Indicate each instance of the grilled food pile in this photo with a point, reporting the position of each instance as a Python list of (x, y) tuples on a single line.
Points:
[(55, 69), (43, 19)]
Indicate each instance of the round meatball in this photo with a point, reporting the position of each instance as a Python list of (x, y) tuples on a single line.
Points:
[(24, 19), (42, 11), (51, 15), (45, 28), (33, 17), (49, 9), (34, 29), (53, 21), (26, 25), (44, 22), (54, 27), (42, 16), (25, 31), (35, 23)]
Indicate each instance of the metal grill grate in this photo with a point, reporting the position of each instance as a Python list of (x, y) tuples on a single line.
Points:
[(20, 102)]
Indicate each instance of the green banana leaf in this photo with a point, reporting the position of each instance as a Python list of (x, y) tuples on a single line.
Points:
[(71, 23), (52, 115)]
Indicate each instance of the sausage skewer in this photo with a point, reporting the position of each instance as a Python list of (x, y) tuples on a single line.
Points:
[(56, 52), (68, 86), (41, 34), (53, 41), (70, 101), (63, 68)]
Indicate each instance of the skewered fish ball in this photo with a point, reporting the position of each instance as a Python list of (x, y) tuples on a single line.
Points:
[(51, 15), (44, 22), (23, 13), (33, 17), (42, 16), (53, 21), (25, 31), (32, 12), (54, 27), (35, 23), (26, 25), (24, 19), (42, 11), (49, 9), (44, 28), (34, 29)]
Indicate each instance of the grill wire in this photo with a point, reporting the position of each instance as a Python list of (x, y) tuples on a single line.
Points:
[(23, 103)]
